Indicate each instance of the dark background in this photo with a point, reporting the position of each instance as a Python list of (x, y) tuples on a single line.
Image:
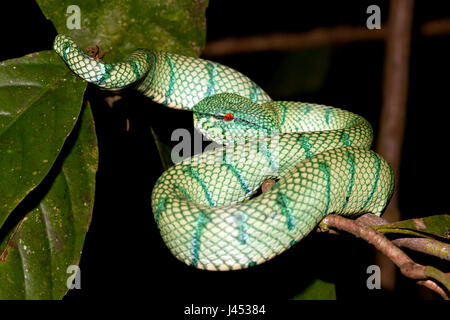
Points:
[(124, 256)]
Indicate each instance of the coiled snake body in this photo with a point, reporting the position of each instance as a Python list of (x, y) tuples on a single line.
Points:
[(205, 206)]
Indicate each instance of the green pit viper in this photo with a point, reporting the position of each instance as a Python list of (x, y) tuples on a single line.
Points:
[(207, 207)]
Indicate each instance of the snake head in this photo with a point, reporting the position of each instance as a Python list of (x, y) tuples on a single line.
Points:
[(228, 117)]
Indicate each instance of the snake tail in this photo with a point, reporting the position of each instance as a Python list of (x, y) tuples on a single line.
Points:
[(174, 80)]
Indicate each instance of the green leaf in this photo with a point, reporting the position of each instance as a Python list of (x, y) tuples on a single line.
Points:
[(39, 104), (164, 151), (318, 290), (121, 26), (37, 250), (431, 227)]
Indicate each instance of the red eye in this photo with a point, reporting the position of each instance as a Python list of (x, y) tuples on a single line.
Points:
[(228, 117)]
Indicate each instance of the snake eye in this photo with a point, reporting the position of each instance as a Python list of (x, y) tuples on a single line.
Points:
[(228, 117)]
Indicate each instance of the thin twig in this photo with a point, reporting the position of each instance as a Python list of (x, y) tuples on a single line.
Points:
[(434, 287), (428, 246), (370, 219), (406, 265), (282, 41), (319, 37), (425, 245), (438, 27)]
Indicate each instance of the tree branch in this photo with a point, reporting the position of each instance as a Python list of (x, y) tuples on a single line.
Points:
[(283, 41), (406, 265), (427, 246), (433, 287)]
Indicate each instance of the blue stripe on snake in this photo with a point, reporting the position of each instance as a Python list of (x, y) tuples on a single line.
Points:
[(328, 114), (377, 176), (212, 71), (150, 80), (283, 116), (136, 67), (195, 175), (283, 201), (307, 110), (195, 240), (304, 142), (241, 219), (351, 163), (172, 78), (345, 139), (254, 91), (239, 178), (326, 172), (160, 207)]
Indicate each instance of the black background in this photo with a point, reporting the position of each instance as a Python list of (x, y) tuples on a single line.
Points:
[(124, 257)]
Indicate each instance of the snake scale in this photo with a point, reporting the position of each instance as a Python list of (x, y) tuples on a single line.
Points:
[(207, 207)]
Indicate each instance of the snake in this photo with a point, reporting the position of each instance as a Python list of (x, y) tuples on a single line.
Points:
[(209, 208)]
